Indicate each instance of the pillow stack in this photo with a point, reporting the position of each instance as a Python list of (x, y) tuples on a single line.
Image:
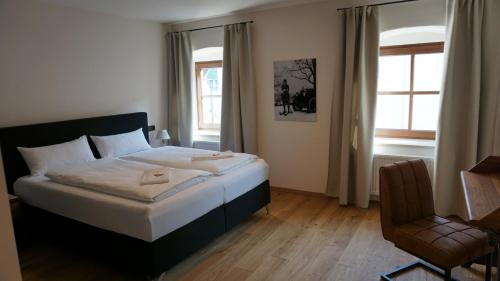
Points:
[(121, 144), (41, 159)]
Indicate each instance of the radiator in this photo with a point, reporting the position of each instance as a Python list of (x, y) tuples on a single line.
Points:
[(208, 145), (381, 160)]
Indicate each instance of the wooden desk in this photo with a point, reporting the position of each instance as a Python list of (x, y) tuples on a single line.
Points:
[(481, 186), (482, 197)]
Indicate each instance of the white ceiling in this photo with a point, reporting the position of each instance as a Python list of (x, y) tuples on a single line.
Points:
[(175, 10)]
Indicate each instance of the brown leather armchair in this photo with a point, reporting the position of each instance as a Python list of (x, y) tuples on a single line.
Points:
[(408, 220)]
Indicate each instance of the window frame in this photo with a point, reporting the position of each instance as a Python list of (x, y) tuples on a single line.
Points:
[(202, 126), (412, 50)]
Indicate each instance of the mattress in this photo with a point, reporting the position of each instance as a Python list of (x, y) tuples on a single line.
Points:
[(237, 181), (241, 180), (182, 158), (142, 220)]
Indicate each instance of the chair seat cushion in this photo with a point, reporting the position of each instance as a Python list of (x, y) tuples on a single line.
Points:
[(441, 242)]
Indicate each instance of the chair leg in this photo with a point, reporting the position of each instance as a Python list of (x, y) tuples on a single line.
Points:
[(489, 260), (447, 275), (497, 254)]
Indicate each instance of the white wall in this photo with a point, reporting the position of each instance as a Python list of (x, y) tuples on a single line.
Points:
[(59, 63), (206, 38), (296, 151), (417, 13), (413, 35), (413, 22)]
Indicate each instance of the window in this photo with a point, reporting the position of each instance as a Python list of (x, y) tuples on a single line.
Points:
[(209, 94), (409, 81)]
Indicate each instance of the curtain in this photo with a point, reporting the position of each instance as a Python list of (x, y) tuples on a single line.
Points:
[(469, 124), (353, 107), (239, 116), (179, 88)]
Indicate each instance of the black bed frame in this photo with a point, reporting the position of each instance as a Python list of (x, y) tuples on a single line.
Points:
[(149, 258)]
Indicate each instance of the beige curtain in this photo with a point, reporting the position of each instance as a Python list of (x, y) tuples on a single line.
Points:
[(239, 115), (179, 92), (353, 107), (469, 125)]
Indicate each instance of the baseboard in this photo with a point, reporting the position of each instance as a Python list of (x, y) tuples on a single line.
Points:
[(301, 192), (374, 199)]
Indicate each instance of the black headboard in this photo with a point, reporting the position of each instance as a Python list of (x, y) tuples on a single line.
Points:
[(58, 132)]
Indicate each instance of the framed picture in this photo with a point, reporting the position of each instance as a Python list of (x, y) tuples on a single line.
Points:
[(295, 90)]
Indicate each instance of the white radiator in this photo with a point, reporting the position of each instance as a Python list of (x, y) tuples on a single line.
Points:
[(381, 160), (208, 145)]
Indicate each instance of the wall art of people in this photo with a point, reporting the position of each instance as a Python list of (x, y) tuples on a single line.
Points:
[(295, 90)]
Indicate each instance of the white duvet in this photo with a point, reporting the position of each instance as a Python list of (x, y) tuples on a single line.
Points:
[(123, 178), (181, 158)]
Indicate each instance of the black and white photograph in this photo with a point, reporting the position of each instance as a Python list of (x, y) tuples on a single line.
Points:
[(295, 90)]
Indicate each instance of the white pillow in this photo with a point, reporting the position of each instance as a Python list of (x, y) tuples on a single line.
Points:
[(121, 144), (41, 159)]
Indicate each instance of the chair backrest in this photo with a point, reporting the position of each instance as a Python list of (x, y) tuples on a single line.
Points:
[(405, 194)]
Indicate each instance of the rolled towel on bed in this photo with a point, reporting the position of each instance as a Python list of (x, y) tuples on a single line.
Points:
[(155, 176), (213, 156)]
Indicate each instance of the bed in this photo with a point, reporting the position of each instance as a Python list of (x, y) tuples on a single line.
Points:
[(155, 236)]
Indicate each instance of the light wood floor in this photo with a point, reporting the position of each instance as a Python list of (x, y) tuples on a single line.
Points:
[(304, 238)]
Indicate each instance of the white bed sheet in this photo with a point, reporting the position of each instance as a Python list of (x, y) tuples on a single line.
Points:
[(181, 158), (243, 179), (142, 220)]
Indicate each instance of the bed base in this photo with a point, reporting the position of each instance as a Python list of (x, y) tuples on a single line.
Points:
[(147, 258), (244, 206)]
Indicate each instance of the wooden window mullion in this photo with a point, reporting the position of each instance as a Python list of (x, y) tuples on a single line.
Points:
[(412, 74)]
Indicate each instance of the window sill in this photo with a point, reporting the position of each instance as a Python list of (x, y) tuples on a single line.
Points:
[(207, 135), (405, 142), (404, 147), (206, 138)]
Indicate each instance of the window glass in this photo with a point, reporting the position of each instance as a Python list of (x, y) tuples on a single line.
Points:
[(428, 72), (409, 81), (394, 73), (212, 110), (211, 81), (425, 112), (392, 111), (209, 94)]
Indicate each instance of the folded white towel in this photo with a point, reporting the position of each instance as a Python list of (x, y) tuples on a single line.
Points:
[(213, 156), (155, 176)]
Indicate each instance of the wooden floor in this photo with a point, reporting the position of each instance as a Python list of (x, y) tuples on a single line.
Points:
[(304, 238)]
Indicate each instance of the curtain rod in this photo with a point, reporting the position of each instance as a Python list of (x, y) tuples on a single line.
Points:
[(215, 26), (380, 4)]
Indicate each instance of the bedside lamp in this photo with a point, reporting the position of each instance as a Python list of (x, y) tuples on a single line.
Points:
[(163, 136)]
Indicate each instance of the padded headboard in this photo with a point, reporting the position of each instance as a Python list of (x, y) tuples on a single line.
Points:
[(58, 132)]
